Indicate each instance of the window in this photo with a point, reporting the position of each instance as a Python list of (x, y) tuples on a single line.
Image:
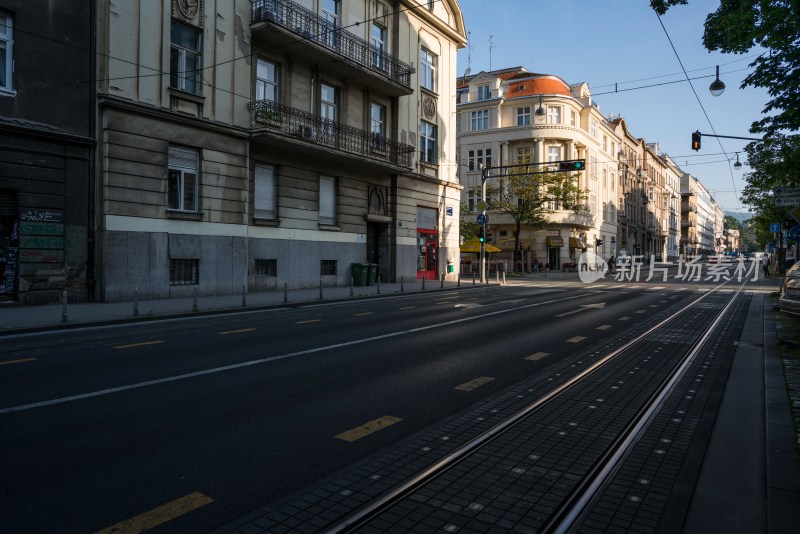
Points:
[(327, 200), (472, 200), (378, 126), (553, 115), (264, 199), (479, 120), (605, 144), (6, 51), (573, 118), (483, 92), (427, 142), (478, 157), (524, 116), (184, 59), (523, 155), (593, 167), (330, 21), (266, 80), (554, 153), (613, 180), (605, 177), (182, 189), (613, 146), (327, 268), (593, 128), (328, 110), (265, 267), (378, 37), (184, 272), (427, 70), (430, 5)]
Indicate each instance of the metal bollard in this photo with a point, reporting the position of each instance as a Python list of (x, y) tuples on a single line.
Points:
[(285, 292), (473, 278), (497, 276), (504, 278), (320, 289), (441, 286), (423, 283), (194, 305), (378, 283), (244, 295), (351, 286), (136, 302), (401, 285), (64, 314), (458, 279)]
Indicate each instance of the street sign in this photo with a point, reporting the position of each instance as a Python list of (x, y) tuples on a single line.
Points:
[(794, 213), (482, 205), (481, 219), (794, 232), (774, 227), (786, 191), (787, 201)]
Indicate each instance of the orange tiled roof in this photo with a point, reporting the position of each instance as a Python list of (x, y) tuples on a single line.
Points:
[(538, 86)]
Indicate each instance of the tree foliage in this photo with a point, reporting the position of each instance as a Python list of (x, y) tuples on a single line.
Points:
[(528, 197)]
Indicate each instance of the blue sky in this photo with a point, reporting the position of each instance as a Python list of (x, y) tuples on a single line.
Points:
[(603, 42)]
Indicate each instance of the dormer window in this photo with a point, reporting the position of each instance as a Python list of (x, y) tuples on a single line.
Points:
[(483, 92)]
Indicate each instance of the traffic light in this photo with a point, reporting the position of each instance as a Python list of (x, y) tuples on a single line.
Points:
[(574, 165), (488, 237), (696, 140), (481, 236)]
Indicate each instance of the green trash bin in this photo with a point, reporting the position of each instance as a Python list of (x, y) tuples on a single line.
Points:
[(372, 273), (360, 274)]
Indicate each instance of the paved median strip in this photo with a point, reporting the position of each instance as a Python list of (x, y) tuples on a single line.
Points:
[(535, 357), (472, 384), (160, 515), (22, 360), (142, 344), (368, 428)]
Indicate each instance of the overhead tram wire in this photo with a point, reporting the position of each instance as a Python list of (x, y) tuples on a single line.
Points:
[(733, 182)]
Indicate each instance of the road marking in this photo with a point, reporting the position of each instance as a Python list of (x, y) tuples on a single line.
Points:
[(361, 314), (640, 311), (309, 321), (286, 356), (23, 360), (237, 331), (624, 319), (368, 428), (653, 306), (143, 344), (407, 308), (584, 307), (157, 516), (603, 327), (535, 357), (576, 339), (472, 384)]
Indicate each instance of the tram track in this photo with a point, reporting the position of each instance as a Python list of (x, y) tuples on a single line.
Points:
[(560, 518)]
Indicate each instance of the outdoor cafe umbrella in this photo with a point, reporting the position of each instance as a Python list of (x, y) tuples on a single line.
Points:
[(473, 245)]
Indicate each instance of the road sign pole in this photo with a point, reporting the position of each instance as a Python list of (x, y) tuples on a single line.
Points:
[(484, 175)]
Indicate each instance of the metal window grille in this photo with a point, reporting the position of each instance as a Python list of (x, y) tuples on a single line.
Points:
[(184, 272), (266, 267), (327, 267)]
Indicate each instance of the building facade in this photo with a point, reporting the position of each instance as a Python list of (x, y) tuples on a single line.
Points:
[(512, 116), (46, 147), (274, 142)]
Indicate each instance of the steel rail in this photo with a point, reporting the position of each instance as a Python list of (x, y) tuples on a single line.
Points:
[(373, 508)]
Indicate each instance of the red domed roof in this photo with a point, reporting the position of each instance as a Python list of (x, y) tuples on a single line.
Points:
[(549, 85)]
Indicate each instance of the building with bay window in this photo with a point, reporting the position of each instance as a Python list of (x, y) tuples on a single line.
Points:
[(275, 141)]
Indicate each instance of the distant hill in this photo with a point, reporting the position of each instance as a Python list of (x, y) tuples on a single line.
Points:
[(741, 217)]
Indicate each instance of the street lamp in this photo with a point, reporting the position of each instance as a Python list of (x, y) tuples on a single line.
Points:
[(717, 87), (738, 164), (540, 112)]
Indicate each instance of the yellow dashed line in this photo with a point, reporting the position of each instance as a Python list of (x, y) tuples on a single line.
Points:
[(309, 321), (603, 327), (237, 331), (472, 384), (535, 357), (138, 344), (23, 360), (368, 428), (157, 516), (361, 314), (576, 339)]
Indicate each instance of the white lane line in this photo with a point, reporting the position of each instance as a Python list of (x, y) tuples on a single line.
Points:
[(260, 361)]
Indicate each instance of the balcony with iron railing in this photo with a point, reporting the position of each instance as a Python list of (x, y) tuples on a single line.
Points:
[(307, 35), (268, 118)]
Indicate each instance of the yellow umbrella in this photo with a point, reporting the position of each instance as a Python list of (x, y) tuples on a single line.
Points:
[(473, 245)]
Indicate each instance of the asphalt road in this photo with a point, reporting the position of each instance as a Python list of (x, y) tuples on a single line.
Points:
[(185, 425)]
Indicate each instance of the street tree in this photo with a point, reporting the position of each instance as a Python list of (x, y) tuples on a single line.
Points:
[(529, 197)]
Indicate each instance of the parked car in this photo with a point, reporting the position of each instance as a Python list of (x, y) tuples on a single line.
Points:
[(789, 302)]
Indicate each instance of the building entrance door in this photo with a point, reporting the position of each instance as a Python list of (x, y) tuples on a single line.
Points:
[(554, 258), (428, 247)]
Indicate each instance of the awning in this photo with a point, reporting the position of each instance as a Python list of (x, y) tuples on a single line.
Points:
[(555, 241), (473, 245), (575, 242)]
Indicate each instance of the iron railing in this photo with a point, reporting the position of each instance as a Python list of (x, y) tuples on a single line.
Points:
[(312, 27), (268, 116)]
